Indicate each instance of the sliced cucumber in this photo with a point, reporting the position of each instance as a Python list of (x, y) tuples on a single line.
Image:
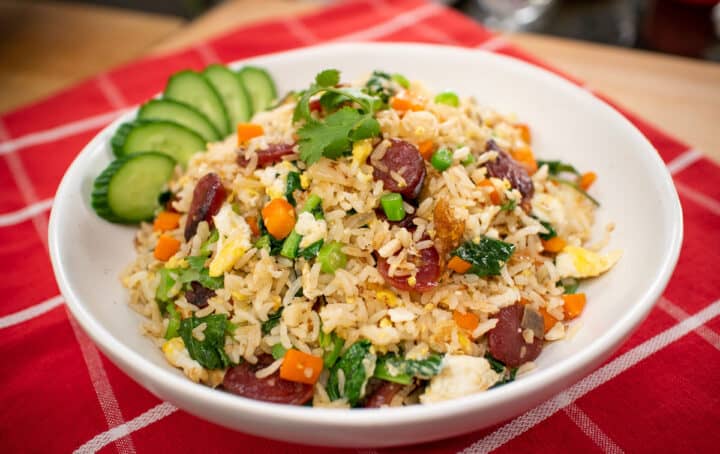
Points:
[(232, 93), (260, 86), (127, 190), (188, 116), (175, 140), (194, 89)]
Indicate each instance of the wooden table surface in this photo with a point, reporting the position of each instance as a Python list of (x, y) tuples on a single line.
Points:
[(46, 46)]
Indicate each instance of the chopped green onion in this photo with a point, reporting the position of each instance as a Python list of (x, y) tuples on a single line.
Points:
[(162, 292), (570, 284), (278, 351), (469, 159), (291, 245), (392, 205), (382, 371), (331, 257), (448, 98), (311, 203), (205, 247), (441, 159), (332, 345), (311, 251), (401, 80), (173, 321)]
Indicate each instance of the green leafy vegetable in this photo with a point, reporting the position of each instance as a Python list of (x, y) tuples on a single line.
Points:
[(509, 205), (198, 272), (328, 78), (495, 364), (551, 231), (401, 80), (278, 351), (173, 321), (205, 247), (266, 240), (575, 186), (332, 344), (508, 376), (469, 159), (162, 292), (379, 85), (272, 321), (311, 251), (210, 352), (487, 257), (570, 284), (357, 366), (557, 167), (292, 184), (392, 367), (498, 366)]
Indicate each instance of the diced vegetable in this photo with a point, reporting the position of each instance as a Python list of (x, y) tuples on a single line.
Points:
[(467, 320), (311, 251), (401, 80), (173, 321), (357, 365), (459, 265), (557, 167), (524, 132), (573, 304), (332, 344), (272, 321), (487, 256), (469, 159), (525, 157), (331, 257), (554, 244), (494, 196), (301, 367), (548, 319), (392, 205), (162, 292), (166, 247), (279, 218), (587, 179), (509, 205), (278, 351), (507, 375), (403, 102), (166, 220), (551, 231), (291, 245), (247, 131), (292, 242), (426, 149), (442, 159), (292, 184), (252, 221), (448, 98), (210, 352), (570, 284)]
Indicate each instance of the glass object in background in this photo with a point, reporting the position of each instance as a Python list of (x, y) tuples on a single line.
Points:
[(512, 15)]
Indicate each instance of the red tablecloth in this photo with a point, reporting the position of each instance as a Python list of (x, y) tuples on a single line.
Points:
[(659, 393)]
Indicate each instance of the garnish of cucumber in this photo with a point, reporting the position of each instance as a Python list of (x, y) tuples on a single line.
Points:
[(127, 190), (180, 113), (260, 85), (194, 89), (233, 93), (167, 137)]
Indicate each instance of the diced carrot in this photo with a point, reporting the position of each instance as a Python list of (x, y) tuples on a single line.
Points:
[(554, 244), (301, 367), (524, 132), (574, 304), (494, 196), (403, 102), (166, 220), (587, 179), (246, 131), (253, 223), (279, 218), (468, 320), (548, 319), (426, 149), (526, 158), (166, 247), (459, 265)]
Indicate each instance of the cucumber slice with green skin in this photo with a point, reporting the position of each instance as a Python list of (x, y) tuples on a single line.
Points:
[(175, 140), (180, 113), (260, 85), (127, 190), (194, 89), (233, 94)]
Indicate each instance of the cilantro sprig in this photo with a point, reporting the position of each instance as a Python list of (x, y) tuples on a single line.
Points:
[(333, 136)]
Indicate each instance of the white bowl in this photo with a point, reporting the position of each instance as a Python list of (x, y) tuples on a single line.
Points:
[(567, 122)]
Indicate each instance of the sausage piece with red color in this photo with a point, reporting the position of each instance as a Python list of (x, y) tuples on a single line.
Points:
[(506, 342), (428, 272), (241, 380), (403, 158), (268, 156), (383, 395), (208, 196), (505, 167)]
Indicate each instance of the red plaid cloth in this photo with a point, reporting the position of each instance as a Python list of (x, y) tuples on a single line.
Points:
[(659, 393)]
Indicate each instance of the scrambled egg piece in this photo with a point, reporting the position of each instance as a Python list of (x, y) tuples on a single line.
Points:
[(233, 242), (461, 375), (575, 261), (274, 178), (311, 229), (177, 355), (360, 152), (387, 297)]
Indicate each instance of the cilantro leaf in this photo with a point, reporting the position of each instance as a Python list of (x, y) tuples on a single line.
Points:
[(557, 167), (330, 138), (328, 78)]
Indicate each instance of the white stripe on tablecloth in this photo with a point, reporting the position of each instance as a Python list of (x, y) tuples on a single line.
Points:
[(592, 430), (493, 44), (59, 132), (30, 312), (111, 91), (101, 440), (684, 160), (300, 31), (23, 214), (101, 385), (701, 199), (525, 422), (679, 314), (207, 53), (396, 23)]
